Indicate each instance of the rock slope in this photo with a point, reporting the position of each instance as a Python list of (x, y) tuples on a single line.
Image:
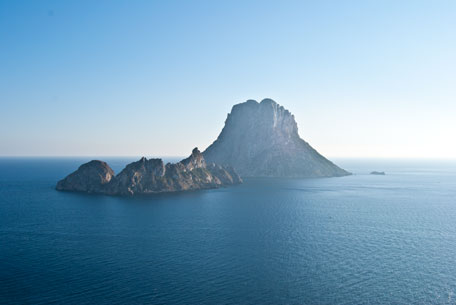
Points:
[(91, 177), (262, 140), (150, 177)]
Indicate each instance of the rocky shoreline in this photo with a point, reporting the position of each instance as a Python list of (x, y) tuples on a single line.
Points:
[(149, 176)]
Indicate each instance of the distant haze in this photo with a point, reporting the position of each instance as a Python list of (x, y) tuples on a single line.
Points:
[(157, 78)]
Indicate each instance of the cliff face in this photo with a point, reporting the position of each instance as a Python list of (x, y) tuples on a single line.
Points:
[(262, 140), (150, 176)]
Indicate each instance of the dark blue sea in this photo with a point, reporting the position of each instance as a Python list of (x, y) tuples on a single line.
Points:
[(361, 239)]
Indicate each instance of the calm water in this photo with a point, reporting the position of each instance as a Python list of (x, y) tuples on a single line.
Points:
[(354, 240)]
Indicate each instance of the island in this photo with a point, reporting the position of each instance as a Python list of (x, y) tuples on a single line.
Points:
[(262, 140), (149, 177), (258, 140), (377, 173)]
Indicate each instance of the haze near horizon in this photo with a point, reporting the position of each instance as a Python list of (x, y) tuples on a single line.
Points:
[(363, 78)]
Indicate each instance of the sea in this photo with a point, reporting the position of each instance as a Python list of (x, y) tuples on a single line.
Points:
[(360, 239)]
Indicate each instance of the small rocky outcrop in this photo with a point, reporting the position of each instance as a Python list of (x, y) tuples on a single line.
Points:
[(91, 177), (377, 173), (152, 176), (262, 140)]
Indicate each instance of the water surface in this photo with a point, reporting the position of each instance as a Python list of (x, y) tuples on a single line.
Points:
[(361, 239)]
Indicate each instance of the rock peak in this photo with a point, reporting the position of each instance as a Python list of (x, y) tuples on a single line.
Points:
[(262, 140), (268, 101), (90, 177), (196, 160)]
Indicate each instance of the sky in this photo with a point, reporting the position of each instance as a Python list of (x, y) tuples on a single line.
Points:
[(374, 79)]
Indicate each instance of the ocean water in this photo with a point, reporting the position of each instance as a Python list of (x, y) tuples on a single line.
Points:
[(361, 239)]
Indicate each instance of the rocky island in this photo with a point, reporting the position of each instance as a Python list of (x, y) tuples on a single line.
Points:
[(262, 140), (378, 173), (258, 140), (149, 177)]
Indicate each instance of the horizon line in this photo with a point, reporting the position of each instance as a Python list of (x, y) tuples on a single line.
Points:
[(185, 156)]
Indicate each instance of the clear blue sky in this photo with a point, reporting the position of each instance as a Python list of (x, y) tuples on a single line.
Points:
[(156, 78)]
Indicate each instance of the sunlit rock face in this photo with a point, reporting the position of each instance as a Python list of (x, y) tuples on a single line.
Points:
[(262, 140)]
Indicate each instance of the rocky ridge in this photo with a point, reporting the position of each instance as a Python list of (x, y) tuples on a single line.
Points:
[(149, 177)]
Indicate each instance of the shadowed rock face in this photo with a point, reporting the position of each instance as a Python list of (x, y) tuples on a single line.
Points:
[(262, 140), (91, 177), (150, 176)]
